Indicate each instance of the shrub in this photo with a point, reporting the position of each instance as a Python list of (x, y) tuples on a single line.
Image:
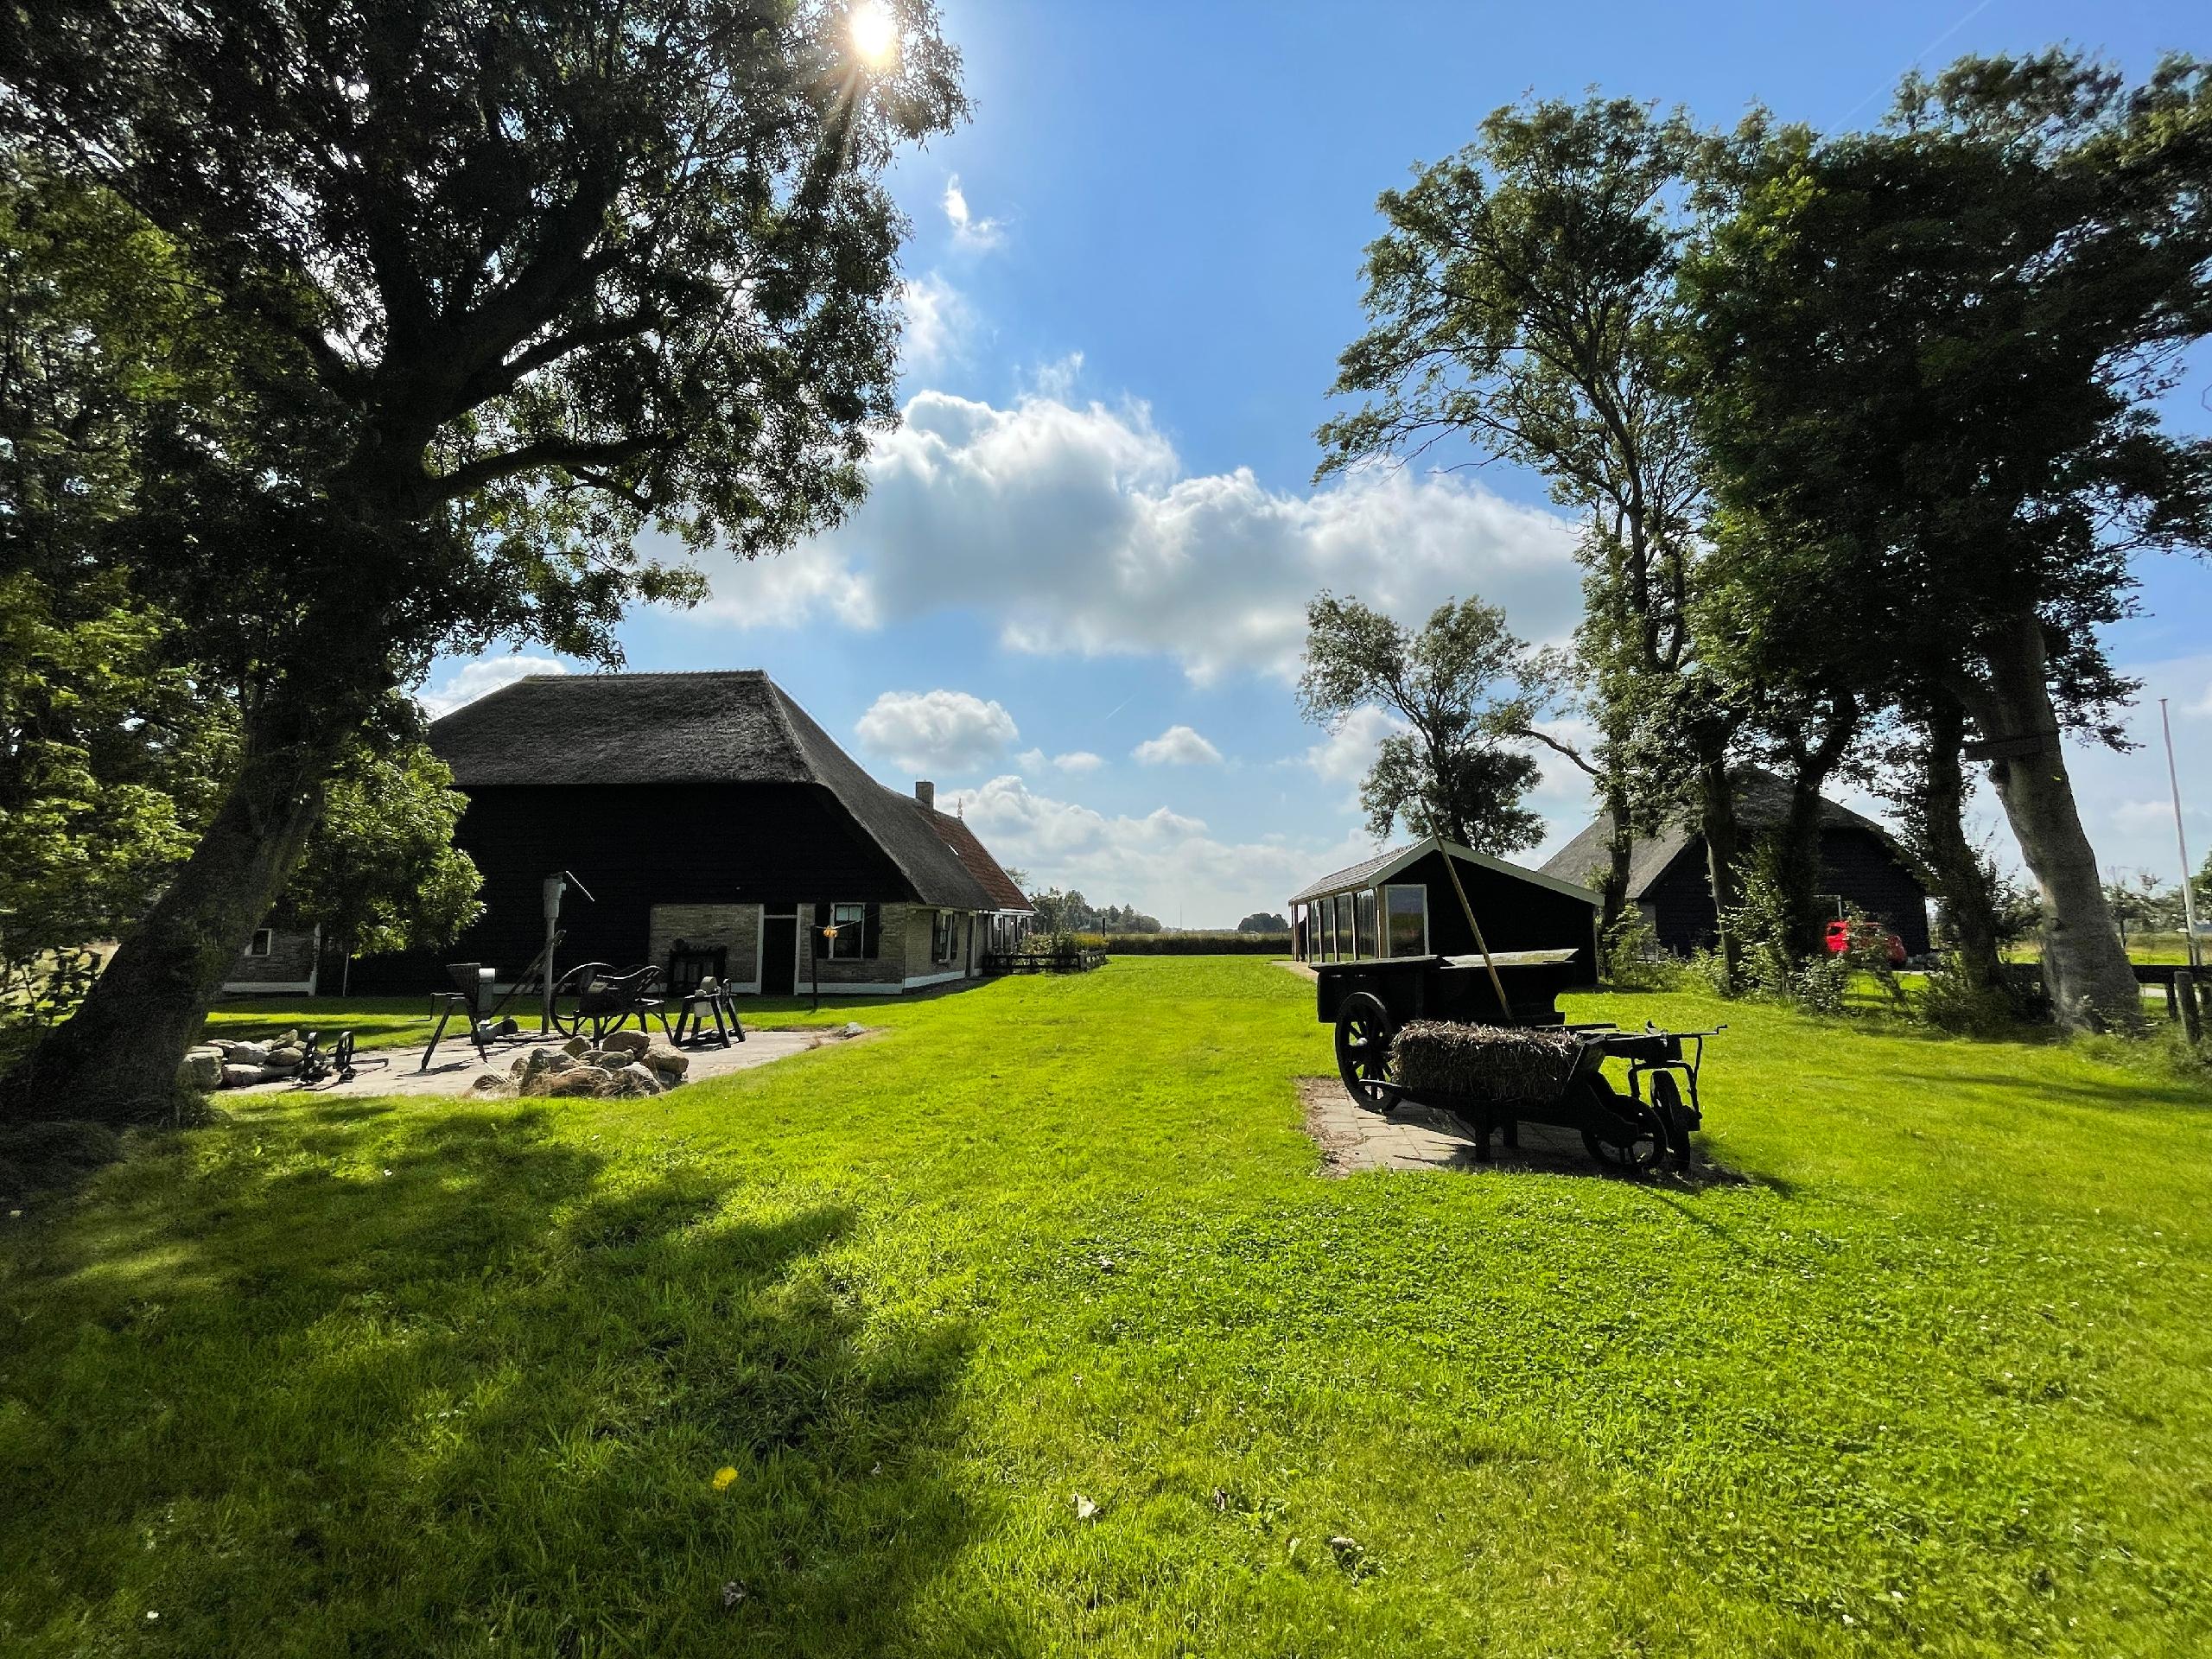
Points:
[(1189, 944), (1951, 1002), (1632, 959)]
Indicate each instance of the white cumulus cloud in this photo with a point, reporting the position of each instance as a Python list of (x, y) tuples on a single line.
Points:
[(1345, 755), (1078, 761), (1074, 528), (1163, 862), (938, 322), (1178, 746), (968, 231), (941, 731), (482, 676)]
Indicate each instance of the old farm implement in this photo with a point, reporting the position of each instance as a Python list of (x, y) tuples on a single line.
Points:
[(1481, 1038)]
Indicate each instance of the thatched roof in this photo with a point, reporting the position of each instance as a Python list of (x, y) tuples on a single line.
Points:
[(733, 726), (1762, 801)]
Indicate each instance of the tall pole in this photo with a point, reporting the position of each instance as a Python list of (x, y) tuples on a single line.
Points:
[(2181, 840)]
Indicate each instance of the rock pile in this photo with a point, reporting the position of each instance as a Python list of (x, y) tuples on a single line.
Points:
[(225, 1064), (626, 1064)]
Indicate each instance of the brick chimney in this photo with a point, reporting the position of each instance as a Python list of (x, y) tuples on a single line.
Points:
[(926, 792)]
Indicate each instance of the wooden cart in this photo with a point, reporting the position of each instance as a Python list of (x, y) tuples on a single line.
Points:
[(1368, 1002)]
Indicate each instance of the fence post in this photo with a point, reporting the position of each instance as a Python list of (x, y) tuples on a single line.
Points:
[(2192, 1020)]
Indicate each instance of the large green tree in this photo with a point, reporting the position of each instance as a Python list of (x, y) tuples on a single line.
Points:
[(1457, 685), (497, 289), (1933, 352), (1520, 299)]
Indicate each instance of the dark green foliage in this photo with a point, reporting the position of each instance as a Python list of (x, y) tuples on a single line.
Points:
[(381, 872), (1485, 1062), (1263, 921), (1461, 685)]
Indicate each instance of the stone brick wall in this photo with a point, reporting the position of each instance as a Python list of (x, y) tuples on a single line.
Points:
[(888, 968), (734, 927), (920, 964), (290, 961)]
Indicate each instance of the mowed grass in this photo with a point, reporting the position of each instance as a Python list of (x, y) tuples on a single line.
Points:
[(1932, 1374)]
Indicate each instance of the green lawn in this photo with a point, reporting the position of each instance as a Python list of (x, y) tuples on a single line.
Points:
[(1932, 1375)]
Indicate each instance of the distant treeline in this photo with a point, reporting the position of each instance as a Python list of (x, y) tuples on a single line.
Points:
[(1188, 945)]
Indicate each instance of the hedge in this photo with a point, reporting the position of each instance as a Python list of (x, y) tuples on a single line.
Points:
[(1189, 944)]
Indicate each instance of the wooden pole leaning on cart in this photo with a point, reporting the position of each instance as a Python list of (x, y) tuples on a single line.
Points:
[(1450, 869)]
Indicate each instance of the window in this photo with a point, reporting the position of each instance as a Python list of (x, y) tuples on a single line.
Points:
[(851, 923), (1365, 902), (1300, 946), (1347, 940), (1325, 926), (263, 941), (1405, 913), (945, 936)]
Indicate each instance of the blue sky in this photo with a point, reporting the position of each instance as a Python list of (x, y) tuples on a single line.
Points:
[(1072, 597)]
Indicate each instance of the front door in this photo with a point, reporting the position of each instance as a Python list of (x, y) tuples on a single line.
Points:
[(778, 956)]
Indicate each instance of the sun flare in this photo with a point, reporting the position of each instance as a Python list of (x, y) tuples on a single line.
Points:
[(875, 33)]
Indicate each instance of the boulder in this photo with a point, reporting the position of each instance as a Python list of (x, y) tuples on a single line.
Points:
[(237, 1077), (201, 1069), (286, 1059), (583, 1080), (627, 1042), (634, 1081), (253, 1054), (528, 1068), (662, 1058), (575, 1045), (493, 1086)]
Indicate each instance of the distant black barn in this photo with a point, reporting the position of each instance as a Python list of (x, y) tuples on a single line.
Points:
[(1862, 869), (1402, 903), (710, 808)]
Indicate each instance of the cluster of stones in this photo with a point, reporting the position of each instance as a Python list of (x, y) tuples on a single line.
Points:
[(234, 1065), (626, 1064)]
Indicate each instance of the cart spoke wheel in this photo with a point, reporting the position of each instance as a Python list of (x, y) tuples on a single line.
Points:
[(1646, 1150), (1363, 1050), (1667, 1098), (568, 1017)]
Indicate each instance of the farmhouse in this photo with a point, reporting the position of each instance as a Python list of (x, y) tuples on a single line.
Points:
[(1862, 869), (1403, 903), (706, 812)]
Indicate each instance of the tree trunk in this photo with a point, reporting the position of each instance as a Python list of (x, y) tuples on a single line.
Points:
[(1796, 846), (115, 1060), (2085, 967), (1620, 852), (1961, 884), (1723, 850)]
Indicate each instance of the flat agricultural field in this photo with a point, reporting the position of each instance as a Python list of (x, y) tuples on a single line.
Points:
[(1029, 1327)]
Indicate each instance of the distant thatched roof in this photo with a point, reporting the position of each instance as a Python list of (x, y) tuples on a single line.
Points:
[(1762, 801), (735, 727)]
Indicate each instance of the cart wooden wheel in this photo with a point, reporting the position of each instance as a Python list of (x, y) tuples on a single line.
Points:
[(1646, 1150), (1667, 1100), (568, 998), (1364, 1049)]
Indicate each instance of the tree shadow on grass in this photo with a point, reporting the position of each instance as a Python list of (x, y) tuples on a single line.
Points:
[(450, 1381)]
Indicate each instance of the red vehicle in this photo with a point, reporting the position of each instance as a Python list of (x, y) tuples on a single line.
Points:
[(1839, 939)]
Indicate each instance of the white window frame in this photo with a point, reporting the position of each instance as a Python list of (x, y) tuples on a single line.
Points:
[(263, 944), (850, 921), (1389, 888)]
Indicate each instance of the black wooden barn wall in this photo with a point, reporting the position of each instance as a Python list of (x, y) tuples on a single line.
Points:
[(1854, 865), (635, 846), (1515, 914)]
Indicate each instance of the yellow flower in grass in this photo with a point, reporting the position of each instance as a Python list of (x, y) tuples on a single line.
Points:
[(725, 1477)]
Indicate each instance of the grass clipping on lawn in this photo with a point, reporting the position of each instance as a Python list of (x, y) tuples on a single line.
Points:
[(1489, 1062)]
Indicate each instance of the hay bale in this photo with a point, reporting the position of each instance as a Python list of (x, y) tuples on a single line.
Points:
[(1487, 1063)]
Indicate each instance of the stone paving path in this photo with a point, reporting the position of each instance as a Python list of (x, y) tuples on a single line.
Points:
[(455, 1067), (1419, 1137)]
